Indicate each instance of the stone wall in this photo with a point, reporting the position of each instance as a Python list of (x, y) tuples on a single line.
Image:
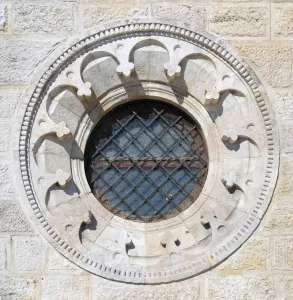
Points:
[(262, 32)]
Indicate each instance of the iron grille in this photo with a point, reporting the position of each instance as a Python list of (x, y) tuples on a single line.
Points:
[(146, 161)]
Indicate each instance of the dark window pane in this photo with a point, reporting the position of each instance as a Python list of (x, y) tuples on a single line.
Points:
[(146, 161)]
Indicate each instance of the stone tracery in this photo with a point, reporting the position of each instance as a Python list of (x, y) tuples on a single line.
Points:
[(214, 87)]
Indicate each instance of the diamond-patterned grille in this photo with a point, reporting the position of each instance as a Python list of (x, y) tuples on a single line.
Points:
[(146, 161)]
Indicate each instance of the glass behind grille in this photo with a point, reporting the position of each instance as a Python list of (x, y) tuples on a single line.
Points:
[(146, 161)]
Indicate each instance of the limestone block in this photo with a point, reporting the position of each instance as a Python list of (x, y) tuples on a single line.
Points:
[(12, 219), (286, 138), (278, 221), (283, 105), (3, 253), (285, 183), (4, 137), (240, 288), (45, 18), (239, 21), (273, 61), (282, 249), (93, 15), (6, 183), (191, 14), (8, 99), (73, 288), (28, 253), (16, 288), (282, 20), (252, 256), (184, 290), (20, 56), (56, 262), (3, 18), (288, 290)]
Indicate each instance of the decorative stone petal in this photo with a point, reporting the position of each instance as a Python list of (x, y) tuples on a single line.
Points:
[(125, 68), (62, 177)]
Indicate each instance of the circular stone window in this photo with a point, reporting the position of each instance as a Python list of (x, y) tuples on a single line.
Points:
[(148, 153), (146, 161)]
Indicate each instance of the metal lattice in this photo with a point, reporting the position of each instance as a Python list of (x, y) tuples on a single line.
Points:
[(146, 161)]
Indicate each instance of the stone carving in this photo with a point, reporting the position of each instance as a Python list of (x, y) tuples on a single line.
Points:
[(204, 78), (73, 79), (229, 180), (48, 126)]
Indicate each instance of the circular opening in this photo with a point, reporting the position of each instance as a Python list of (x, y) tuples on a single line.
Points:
[(146, 161)]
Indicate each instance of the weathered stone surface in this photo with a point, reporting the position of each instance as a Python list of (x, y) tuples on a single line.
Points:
[(287, 138), (273, 61), (56, 262), (282, 20), (288, 290), (241, 288), (3, 18), (252, 256), (282, 248), (19, 57), (6, 183), (185, 290), (8, 99), (45, 18), (278, 221), (3, 254), (73, 288), (12, 218), (191, 14), (285, 183), (283, 105), (5, 136), (14, 288), (28, 254), (239, 21), (94, 14)]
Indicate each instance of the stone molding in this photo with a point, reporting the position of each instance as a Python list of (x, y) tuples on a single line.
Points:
[(227, 221)]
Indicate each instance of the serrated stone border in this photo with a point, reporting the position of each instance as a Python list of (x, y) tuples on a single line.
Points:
[(219, 50)]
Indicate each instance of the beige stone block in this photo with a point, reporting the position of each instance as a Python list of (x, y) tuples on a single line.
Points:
[(44, 18), (252, 255), (288, 290), (93, 15), (18, 288), (185, 290), (239, 21), (9, 98), (5, 130), (65, 287), (189, 13), (57, 262), (240, 288), (285, 182), (274, 62), (27, 253), (278, 221), (283, 105), (282, 20), (12, 218), (3, 18), (282, 250), (6, 182), (286, 138), (20, 56), (4, 244)]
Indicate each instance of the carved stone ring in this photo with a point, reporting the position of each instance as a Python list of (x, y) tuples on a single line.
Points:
[(189, 70)]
